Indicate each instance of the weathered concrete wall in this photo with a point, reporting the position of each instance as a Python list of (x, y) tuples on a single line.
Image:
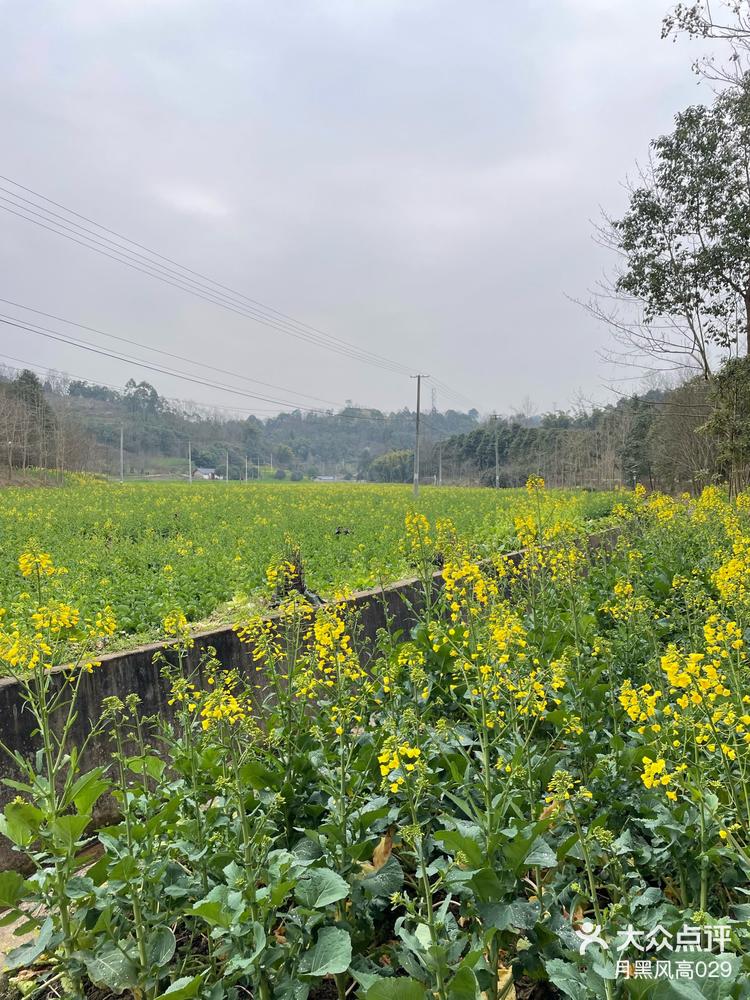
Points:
[(135, 671)]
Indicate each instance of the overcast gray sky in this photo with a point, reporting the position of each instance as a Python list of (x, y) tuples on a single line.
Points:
[(415, 177)]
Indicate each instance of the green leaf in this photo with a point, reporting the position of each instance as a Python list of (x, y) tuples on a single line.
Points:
[(565, 846), (455, 842), (279, 891), (161, 946), (27, 953), (319, 887), (20, 786), (183, 988), (463, 986), (109, 967), (222, 907), (290, 989), (649, 897), (540, 853), (705, 987), (12, 888), (331, 954), (568, 978), (254, 775), (385, 881), (520, 914), (396, 989), (66, 830), (87, 790), (212, 911), (244, 960), (79, 886), (365, 972), (20, 822), (486, 885), (152, 765)]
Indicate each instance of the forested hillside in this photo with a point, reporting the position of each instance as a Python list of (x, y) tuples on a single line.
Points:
[(76, 425), (670, 439)]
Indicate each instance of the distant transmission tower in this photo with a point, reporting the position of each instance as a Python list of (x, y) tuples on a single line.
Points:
[(434, 399)]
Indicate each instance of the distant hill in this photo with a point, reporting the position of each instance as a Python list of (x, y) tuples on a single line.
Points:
[(83, 423), (656, 438)]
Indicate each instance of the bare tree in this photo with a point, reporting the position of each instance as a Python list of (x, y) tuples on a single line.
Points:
[(680, 295), (677, 340), (684, 454), (727, 21)]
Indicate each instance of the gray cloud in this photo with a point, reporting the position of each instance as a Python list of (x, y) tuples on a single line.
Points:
[(415, 177)]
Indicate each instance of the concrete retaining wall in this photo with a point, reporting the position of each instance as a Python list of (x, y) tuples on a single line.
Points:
[(135, 671)]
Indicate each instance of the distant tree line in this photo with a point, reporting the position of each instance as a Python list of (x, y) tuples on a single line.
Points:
[(677, 439), (674, 440), (64, 423), (33, 433)]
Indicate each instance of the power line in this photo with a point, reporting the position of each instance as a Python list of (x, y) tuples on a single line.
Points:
[(185, 278), (83, 345), (447, 391), (53, 335), (215, 300), (179, 276), (29, 326), (191, 404), (166, 354)]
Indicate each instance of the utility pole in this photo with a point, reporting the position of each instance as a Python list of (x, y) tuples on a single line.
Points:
[(272, 463), (497, 461), (227, 466), (190, 463), (122, 456), (416, 434), (258, 460), (245, 468), (440, 463)]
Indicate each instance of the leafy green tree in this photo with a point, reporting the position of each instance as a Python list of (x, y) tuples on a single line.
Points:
[(686, 234), (283, 456), (143, 398), (100, 392), (251, 430), (392, 467)]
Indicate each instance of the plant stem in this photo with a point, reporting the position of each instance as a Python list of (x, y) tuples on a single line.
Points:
[(592, 885)]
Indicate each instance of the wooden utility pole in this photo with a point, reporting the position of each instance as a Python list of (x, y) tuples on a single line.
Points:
[(227, 466), (416, 433), (440, 463), (122, 455), (190, 462)]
